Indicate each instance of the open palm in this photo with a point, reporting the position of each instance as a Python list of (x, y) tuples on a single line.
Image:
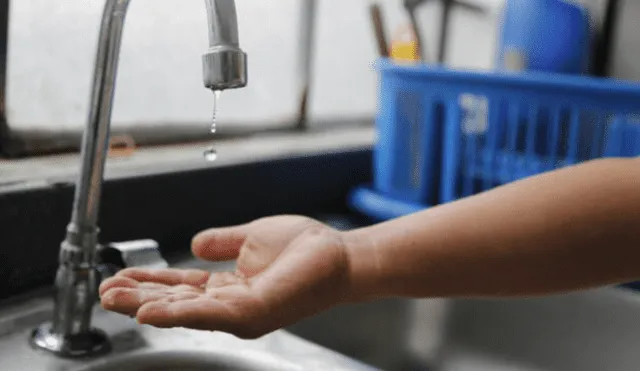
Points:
[(288, 267)]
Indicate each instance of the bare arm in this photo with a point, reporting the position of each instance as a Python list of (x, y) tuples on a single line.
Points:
[(566, 230), (570, 229)]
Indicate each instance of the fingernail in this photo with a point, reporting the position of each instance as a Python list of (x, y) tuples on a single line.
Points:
[(109, 300)]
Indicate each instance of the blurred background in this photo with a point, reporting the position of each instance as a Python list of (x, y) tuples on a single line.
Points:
[(475, 94), (51, 47)]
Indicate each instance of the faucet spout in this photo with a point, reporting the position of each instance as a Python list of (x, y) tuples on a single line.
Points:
[(70, 334), (224, 64)]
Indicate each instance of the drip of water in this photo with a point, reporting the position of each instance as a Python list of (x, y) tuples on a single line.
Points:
[(216, 98), (211, 154)]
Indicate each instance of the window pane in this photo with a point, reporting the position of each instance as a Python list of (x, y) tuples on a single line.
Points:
[(345, 84), (52, 49)]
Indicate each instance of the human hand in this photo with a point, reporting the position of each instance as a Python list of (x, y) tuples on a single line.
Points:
[(288, 268)]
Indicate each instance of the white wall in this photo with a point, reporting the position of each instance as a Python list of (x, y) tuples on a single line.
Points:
[(625, 51), (52, 46)]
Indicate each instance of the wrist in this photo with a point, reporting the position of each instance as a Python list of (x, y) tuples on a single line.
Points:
[(364, 266)]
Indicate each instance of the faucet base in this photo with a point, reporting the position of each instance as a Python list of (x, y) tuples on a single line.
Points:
[(93, 343)]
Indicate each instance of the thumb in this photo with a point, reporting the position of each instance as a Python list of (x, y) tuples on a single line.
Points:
[(219, 244)]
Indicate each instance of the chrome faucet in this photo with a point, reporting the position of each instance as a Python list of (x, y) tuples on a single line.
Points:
[(70, 333)]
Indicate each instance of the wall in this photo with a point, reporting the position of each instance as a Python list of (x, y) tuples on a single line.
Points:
[(626, 47), (52, 46)]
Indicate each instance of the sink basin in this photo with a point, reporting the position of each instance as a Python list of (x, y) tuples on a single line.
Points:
[(187, 361), (391, 335), (587, 331), (145, 348)]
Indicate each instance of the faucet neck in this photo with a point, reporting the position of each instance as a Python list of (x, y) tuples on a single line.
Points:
[(71, 334), (95, 140), (223, 23), (224, 64)]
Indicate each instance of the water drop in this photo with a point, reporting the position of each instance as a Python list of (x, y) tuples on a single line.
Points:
[(216, 97), (211, 155)]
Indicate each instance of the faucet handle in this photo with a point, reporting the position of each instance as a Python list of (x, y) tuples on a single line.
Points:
[(116, 256)]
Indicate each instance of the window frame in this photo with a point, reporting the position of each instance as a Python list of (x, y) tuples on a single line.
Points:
[(25, 143), (5, 132)]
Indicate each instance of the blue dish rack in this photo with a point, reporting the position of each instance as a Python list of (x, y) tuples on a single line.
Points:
[(444, 134)]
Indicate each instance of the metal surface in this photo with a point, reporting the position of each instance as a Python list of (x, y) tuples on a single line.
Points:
[(378, 333), (587, 331), (120, 255), (187, 361), (225, 64), (70, 333), (141, 253), (72, 341), (139, 348)]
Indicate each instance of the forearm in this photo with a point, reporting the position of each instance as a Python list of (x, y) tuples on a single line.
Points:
[(569, 229)]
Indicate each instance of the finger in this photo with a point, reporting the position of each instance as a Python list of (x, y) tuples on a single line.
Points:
[(130, 283), (172, 277), (198, 314), (128, 301), (219, 244), (168, 314), (114, 282)]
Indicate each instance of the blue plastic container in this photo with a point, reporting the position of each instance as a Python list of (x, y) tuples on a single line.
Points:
[(544, 36), (548, 35), (407, 155), (380, 207), (445, 134)]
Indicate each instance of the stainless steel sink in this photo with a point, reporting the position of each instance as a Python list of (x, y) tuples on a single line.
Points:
[(399, 334), (184, 361), (587, 331), (145, 348)]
